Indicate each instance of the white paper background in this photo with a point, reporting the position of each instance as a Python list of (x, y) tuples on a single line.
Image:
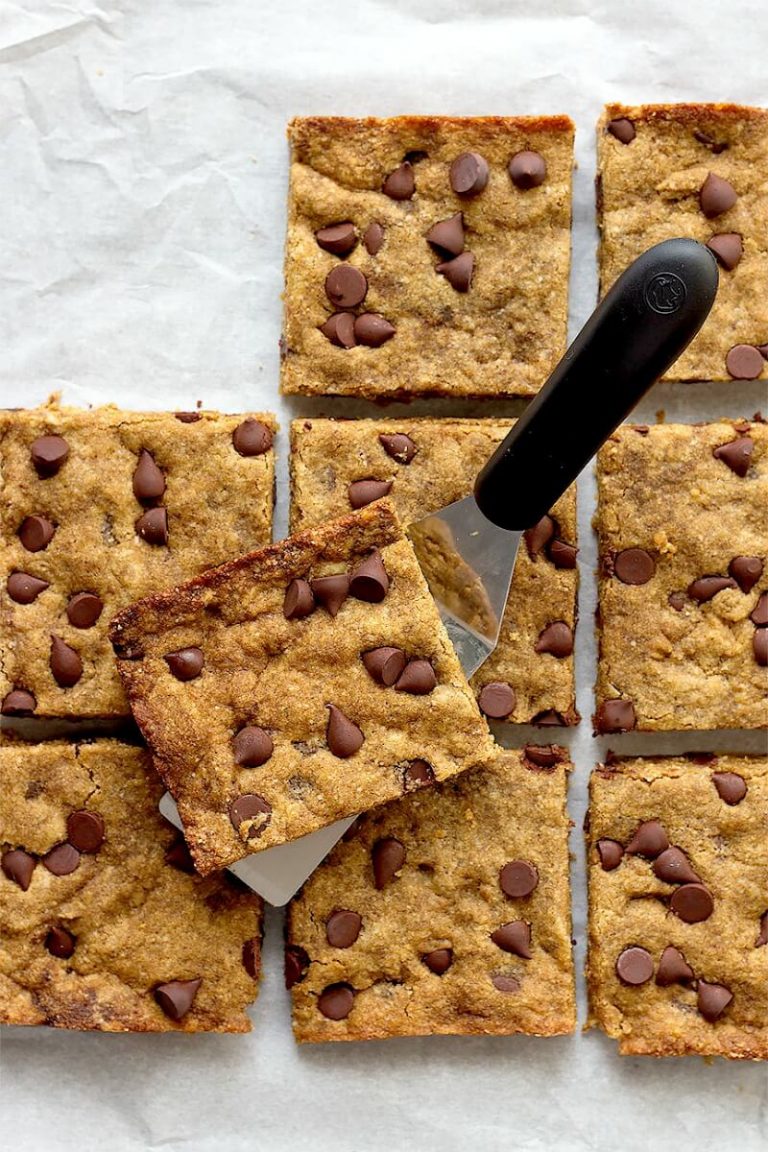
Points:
[(142, 191)]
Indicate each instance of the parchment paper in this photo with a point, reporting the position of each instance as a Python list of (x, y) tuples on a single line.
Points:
[(142, 194)]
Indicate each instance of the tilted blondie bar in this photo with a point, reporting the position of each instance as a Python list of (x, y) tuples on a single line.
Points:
[(426, 255), (683, 579), (698, 170), (297, 685), (678, 906), (103, 924), (423, 465), (445, 912), (100, 507)]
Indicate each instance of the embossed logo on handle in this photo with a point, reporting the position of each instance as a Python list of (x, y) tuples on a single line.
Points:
[(665, 293)]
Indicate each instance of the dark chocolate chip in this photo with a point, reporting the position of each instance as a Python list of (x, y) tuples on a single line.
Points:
[(399, 446), (65, 663), (179, 856), (185, 663), (634, 566), (518, 878), (299, 601), (634, 966), (744, 362), (528, 170), (556, 640), (417, 678), (250, 810), (387, 858), (731, 788), (417, 774), (252, 746), (728, 249), (514, 937), (549, 718), (18, 702), (296, 964), (148, 479), (48, 455), (330, 591), (336, 1001), (759, 614), (622, 129), (537, 537), (762, 936), (251, 957), (188, 417), (340, 329), (342, 928), (458, 271), (342, 736), (615, 716), (673, 968), (363, 492), (676, 600), (176, 997), (345, 286), (384, 665), (153, 526), (562, 554), (448, 235), (469, 174), (504, 983), (339, 239), (496, 700), (746, 571), (400, 184), (712, 1000), (84, 609), (438, 960), (36, 533), (737, 454), (370, 581), (760, 647), (649, 839), (706, 587), (716, 195), (692, 903), (60, 943), (611, 854), (23, 588), (62, 859), (18, 866), (252, 438), (85, 830), (716, 146), (673, 866), (372, 330), (543, 756), (373, 238)]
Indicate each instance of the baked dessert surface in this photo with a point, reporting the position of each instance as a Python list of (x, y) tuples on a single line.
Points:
[(483, 315)]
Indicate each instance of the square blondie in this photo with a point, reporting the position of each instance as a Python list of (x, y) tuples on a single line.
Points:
[(445, 912), (683, 581), (424, 464), (103, 924), (697, 170), (678, 906), (426, 255), (296, 686), (99, 507)]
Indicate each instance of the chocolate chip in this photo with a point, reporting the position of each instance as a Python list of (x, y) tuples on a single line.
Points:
[(673, 968), (737, 454), (418, 678), (252, 438), (299, 601), (763, 350), (62, 859), (716, 195), (504, 983), (363, 492), (469, 174), (615, 716), (370, 581), (188, 417), (85, 830), (709, 142), (556, 640), (345, 286), (252, 747), (148, 479), (706, 587), (18, 866), (759, 615), (84, 609), (727, 247), (65, 663), (296, 964), (399, 446), (330, 591), (448, 235), (176, 998), (676, 600), (622, 129), (537, 537), (18, 702), (251, 957), (458, 271), (496, 700), (712, 1000), (387, 858), (36, 533), (400, 184), (340, 329), (518, 878), (611, 854), (744, 362), (48, 455), (649, 839), (335, 1002), (561, 554), (373, 238), (60, 943), (634, 966), (417, 774), (372, 330), (23, 588), (153, 526), (692, 903), (542, 756), (731, 788), (514, 937), (760, 647), (634, 566), (185, 663), (253, 811), (762, 936), (384, 665), (342, 736), (672, 866), (528, 170), (438, 960), (746, 571), (337, 238), (342, 928), (179, 856)]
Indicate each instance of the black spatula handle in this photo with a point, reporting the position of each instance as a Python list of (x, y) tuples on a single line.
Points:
[(649, 316)]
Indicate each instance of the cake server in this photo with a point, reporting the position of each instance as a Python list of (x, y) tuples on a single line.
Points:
[(467, 551)]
